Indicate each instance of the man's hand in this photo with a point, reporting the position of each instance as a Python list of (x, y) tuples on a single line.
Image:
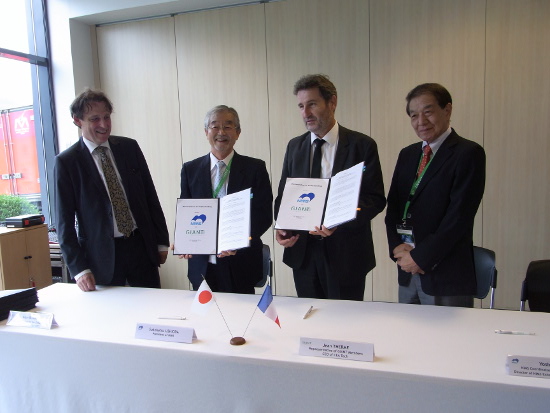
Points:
[(402, 248), (286, 238), (323, 231), (406, 262), (86, 282), (162, 256), (226, 253)]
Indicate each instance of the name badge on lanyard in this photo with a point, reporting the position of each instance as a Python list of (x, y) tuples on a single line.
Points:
[(406, 234), (403, 230)]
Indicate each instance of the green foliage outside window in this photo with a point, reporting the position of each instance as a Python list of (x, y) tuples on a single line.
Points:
[(12, 206)]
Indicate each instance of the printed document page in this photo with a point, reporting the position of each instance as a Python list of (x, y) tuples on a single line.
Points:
[(234, 228), (196, 226), (343, 196), (302, 204)]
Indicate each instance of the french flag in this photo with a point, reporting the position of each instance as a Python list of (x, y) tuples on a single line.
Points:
[(267, 307)]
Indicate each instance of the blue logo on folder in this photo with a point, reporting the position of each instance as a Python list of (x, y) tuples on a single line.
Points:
[(306, 197), (198, 219)]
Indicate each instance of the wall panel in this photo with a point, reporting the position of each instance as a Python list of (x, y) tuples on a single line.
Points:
[(221, 60), (492, 55), (137, 70), (517, 138), (315, 36), (412, 43)]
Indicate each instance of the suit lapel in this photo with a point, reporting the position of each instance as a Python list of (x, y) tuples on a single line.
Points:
[(301, 168), (236, 174), (89, 166), (440, 159), (411, 165), (204, 179), (120, 160), (341, 152)]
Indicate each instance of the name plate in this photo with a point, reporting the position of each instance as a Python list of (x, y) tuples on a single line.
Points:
[(528, 366), (32, 320), (165, 333), (336, 349)]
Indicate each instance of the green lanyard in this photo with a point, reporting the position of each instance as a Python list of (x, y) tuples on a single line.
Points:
[(222, 180), (415, 185)]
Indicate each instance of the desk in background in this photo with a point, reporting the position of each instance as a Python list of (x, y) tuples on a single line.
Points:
[(428, 359)]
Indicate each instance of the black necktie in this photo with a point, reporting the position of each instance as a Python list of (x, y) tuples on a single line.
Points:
[(317, 156)]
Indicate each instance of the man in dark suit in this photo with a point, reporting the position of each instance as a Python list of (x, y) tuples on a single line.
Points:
[(105, 182), (330, 263), (231, 271), (435, 192)]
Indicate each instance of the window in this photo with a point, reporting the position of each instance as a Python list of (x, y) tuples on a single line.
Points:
[(27, 135)]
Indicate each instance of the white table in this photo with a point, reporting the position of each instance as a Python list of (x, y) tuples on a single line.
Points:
[(428, 359)]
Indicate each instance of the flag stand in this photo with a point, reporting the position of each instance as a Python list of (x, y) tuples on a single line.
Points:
[(237, 341)]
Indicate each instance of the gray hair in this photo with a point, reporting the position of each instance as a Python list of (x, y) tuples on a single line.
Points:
[(222, 108)]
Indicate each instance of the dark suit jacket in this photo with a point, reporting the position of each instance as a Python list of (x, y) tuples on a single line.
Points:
[(441, 212), (80, 190), (351, 248), (246, 172)]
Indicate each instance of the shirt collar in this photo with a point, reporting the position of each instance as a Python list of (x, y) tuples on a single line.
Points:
[(214, 160), (436, 144), (92, 145), (331, 137)]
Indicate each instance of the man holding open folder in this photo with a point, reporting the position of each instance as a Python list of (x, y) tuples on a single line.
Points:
[(330, 263), (223, 171)]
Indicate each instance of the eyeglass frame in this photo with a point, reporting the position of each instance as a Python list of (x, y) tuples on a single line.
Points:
[(226, 128)]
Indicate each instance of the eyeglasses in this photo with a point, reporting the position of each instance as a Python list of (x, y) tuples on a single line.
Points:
[(226, 128)]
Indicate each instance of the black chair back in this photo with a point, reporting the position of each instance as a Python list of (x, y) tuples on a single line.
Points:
[(536, 286), (486, 273), (267, 266)]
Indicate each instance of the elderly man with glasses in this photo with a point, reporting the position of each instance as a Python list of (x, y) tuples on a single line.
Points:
[(223, 171)]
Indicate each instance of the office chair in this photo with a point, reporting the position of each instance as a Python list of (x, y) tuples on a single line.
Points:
[(486, 273), (268, 267), (536, 287)]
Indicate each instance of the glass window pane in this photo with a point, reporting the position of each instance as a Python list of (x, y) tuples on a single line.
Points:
[(19, 170), (13, 26)]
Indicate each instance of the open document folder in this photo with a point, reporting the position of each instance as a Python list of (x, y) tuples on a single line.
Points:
[(311, 202), (210, 226)]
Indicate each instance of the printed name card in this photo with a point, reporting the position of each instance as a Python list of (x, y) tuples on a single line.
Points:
[(165, 333), (32, 320), (345, 350), (528, 366)]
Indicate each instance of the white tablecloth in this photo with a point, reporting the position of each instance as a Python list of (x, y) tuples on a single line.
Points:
[(428, 359)]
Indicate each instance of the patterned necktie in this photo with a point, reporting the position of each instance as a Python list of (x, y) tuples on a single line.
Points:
[(123, 216), (220, 168), (317, 156), (425, 159)]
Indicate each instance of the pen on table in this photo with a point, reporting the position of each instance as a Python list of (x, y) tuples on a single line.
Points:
[(172, 318), (308, 312), (515, 333)]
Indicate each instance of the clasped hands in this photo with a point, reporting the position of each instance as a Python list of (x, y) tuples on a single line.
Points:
[(402, 254), (287, 238)]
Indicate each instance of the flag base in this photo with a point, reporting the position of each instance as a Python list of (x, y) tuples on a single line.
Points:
[(237, 341)]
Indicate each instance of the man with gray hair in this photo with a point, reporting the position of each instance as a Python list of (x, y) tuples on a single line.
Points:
[(330, 263), (223, 171)]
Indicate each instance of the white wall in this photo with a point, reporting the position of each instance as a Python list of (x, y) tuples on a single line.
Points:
[(72, 58)]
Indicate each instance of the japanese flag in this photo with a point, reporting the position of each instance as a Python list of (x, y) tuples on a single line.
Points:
[(203, 299)]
